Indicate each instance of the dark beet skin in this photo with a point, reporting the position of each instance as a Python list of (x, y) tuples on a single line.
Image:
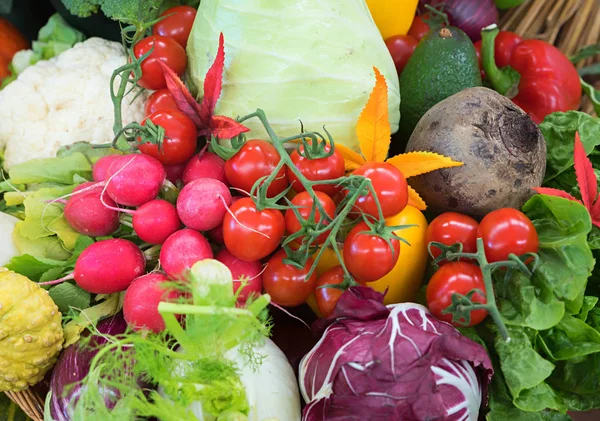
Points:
[(503, 151)]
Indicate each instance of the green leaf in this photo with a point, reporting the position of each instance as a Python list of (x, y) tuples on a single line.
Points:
[(40, 211), (586, 52), (10, 411), (559, 132), (64, 231), (56, 170), (33, 267), (566, 261), (85, 148), (46, 247), (523, 368), (571, 338), (110, 306), (67, 295), (592, 93)]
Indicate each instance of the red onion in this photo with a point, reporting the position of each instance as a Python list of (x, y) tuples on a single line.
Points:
[(469, 15), (74, 364)]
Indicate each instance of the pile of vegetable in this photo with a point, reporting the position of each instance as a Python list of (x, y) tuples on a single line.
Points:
[(184, 195)]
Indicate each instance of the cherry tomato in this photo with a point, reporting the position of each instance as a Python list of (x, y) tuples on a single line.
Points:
[(419, 27), (505, 231), (369, 257), (288, 285), (159, 101), (401, 48), (305, 202), (255, 159), (451, 228), (177, 26), (250, 234), (166, 50), (389, 185), (327, 298), (455, 278), (328, 168), (179, 143)]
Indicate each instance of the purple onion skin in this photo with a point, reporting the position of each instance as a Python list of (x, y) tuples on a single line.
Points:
[(469, 15), (74, 364)]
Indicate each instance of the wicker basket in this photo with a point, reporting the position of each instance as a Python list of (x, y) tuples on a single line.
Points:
[(569, 24)]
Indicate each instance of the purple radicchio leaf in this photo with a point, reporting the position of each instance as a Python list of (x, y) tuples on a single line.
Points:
[(74, 364), (401, 364)]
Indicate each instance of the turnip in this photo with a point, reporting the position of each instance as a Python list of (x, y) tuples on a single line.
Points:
[(101, 166), (109, 266), (202, 204), (140, 305), (181, 250), (132, 180), (207, 165), (155, 221), (86, 213), (503, 151), (249, 272)]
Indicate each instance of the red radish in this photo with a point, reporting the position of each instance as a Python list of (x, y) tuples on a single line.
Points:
[(216, 234), (101, 166), (208, 165), (86, 185), (155, 221), (181, 250), (140, 304), (175, 172), (86, 213), (109, 266), (250, 271), (134, 179), (201, 204)]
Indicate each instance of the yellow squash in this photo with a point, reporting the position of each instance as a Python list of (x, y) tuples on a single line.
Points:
[(393, 17), (404, 281)]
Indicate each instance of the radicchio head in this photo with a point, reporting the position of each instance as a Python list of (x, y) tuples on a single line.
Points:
[(392, 363)]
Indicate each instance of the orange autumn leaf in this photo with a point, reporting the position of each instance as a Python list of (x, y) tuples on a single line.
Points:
[(374, 136), (352, 159), (415, 200), (373, 126), (411, 164)]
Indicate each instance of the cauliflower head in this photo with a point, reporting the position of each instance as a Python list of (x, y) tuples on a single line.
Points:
[(31, 335), (62, 101)]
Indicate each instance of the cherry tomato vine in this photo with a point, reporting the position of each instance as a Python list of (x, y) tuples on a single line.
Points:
[(314, 146)]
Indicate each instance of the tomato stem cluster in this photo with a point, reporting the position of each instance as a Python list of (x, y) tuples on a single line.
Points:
[(355, 186), (462, 305)]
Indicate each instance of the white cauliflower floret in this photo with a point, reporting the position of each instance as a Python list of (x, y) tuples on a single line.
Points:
[(62, 101)]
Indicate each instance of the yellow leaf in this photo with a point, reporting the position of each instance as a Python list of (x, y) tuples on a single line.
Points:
[(352, 159), (417, 163), (373, 126), (415, 200)]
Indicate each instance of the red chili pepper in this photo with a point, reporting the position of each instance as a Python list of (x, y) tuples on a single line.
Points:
[(533, 73)]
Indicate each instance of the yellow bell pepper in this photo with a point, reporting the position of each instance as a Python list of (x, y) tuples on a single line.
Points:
[(393, 17), (404, 280)]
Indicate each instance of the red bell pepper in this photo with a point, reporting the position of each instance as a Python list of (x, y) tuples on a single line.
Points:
[(533, 73)]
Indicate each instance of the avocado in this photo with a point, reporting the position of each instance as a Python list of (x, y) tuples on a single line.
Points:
[(443, 64)]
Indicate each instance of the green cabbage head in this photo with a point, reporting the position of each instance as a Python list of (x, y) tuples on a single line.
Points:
[(308, 60)]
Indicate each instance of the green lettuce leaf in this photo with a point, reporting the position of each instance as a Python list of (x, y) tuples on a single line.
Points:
[(559, 132), (54, 170)]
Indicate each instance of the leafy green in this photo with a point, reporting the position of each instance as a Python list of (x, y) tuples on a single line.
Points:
[(128, 11), (67, 295), (54, 37), (547, 366), (109, 306), (87, 149), (559, 131), (55, 170), (10, 411)]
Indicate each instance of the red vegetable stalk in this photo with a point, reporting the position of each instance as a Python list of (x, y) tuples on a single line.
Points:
[(537, 76)]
